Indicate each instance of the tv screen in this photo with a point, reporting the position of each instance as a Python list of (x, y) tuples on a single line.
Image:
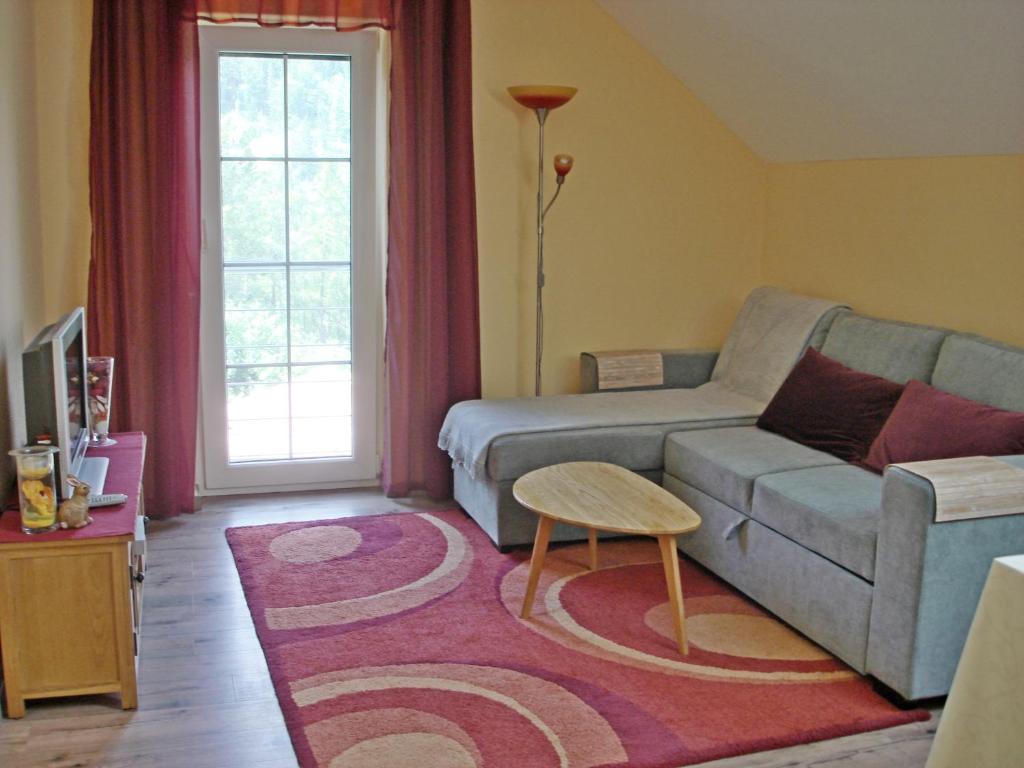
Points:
[(76, 388), (56, 412)]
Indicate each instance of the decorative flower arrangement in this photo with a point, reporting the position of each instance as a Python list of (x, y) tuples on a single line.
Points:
[(101, 372)]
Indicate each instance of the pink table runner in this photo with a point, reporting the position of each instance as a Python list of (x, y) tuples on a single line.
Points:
[(123, 476)]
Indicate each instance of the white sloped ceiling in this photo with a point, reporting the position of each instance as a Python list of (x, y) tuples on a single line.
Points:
[(839, 79)]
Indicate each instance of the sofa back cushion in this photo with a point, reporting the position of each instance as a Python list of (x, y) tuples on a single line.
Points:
[(825, 405), (982, 370), (929, 424), (898, 351)]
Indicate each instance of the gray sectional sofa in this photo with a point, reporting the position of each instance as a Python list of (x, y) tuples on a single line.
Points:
[(853, 560)]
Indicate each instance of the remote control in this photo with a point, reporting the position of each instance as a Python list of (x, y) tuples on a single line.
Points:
[(107, 499)]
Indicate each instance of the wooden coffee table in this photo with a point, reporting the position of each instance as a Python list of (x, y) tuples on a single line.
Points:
[(606, 497)]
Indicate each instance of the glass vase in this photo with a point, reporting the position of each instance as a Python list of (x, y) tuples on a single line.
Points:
[(101, 382), (36, 488)]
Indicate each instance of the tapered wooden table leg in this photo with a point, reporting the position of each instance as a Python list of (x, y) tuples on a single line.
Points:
[(540, 548), (670, 559), (592, 537)]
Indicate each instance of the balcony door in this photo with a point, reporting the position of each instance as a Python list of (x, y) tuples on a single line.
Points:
[(291, 281)]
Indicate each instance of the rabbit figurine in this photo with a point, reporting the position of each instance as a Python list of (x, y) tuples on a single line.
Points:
[(74, 512)]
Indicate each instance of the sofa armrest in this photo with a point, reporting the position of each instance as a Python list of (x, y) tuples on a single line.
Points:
[(928, 580), (683, 369)]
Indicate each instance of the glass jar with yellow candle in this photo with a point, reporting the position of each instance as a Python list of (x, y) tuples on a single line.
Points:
[(36, 488)]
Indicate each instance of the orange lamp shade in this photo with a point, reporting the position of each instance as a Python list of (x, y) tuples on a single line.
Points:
[(563, 164), (542, 96)]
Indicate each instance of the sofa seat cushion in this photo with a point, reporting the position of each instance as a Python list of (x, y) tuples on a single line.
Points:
[(833, 511), (724, 463), (640, 448), (474, 429)]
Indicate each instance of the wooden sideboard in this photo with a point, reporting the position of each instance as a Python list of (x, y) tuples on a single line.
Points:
[(71, 601)]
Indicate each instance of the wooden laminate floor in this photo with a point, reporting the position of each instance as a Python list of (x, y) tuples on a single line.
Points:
[(205, 698)]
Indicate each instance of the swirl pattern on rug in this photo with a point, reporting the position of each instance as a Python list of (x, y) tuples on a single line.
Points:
[(449, 572), (395, 640), (537, 712), (730, 638)]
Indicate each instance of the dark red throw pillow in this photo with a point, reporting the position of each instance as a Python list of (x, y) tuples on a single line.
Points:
[(825, 405), (928, 423)]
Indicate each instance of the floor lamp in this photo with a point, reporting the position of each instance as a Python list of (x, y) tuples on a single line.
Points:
[(542, 99)]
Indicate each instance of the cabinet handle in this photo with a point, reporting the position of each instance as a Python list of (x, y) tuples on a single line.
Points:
[(140, 577)]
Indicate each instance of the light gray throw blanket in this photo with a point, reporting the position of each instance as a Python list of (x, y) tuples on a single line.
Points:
[(768, 337)]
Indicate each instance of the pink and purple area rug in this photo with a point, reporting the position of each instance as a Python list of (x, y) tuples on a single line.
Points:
[(395, 641)]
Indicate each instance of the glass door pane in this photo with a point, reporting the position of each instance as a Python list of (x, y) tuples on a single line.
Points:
[(286, 197)]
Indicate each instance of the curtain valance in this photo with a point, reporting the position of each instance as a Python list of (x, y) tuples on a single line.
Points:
[(342, 15)]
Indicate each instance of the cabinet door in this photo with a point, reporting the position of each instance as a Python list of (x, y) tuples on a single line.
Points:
[(65, 632)]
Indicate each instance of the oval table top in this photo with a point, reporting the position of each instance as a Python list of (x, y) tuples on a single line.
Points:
[(608, 497)]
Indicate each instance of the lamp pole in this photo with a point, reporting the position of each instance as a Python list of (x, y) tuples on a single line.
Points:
[(542, 116)]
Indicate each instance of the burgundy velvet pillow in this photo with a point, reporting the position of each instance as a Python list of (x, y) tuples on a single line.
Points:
[(825, 405), (928, 423)]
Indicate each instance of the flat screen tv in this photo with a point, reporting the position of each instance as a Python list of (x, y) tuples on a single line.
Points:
[(56, 408)]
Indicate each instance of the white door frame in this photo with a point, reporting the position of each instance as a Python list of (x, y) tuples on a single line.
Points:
[(366, 269)]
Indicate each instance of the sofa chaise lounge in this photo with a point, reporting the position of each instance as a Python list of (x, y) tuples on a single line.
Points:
[(852, 559)]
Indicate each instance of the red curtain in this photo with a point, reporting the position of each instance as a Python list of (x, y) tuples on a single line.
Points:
[(433, 324), (144, 194), (342, 15)]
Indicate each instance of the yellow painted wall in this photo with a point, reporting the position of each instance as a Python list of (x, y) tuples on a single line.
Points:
[(931, 240), (664, 225), (655, 239), (664, 202), (21, 275), (44, 184), (62, 43)]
